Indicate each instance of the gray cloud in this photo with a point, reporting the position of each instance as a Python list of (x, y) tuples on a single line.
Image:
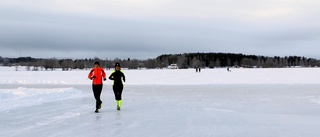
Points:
[(145, 29)]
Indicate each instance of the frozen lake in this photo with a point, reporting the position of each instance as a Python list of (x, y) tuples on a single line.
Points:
[(157, 111), (163, 103)]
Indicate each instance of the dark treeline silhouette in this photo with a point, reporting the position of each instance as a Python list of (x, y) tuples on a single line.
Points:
[(36, 64), (186, 60), (212, 60)]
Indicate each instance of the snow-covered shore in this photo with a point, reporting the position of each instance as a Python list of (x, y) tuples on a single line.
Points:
[(171, 77)]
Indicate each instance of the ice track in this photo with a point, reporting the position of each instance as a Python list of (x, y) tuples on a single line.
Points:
[(170, 111)]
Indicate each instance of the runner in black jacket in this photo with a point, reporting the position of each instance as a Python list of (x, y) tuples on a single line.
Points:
[(117, 76)]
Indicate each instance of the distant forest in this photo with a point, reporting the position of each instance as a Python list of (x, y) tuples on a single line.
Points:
[(184, 61), (212, 60)]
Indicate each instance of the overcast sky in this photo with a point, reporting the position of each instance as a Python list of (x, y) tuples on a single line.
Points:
[(147, 28)]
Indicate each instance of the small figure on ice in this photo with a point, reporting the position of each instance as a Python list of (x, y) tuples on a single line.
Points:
[(198, 69), (97, 74), (118, 76), (228, 69)]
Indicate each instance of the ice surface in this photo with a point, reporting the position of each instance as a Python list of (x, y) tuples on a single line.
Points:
[(164, 103), (170, 77), (22, 97)]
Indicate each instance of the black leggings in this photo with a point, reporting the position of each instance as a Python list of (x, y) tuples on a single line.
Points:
[(117, 89), (97, 89)]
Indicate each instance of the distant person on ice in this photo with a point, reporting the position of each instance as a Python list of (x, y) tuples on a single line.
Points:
[(228, 69), (117, 76), (97, 74), (198, 69)]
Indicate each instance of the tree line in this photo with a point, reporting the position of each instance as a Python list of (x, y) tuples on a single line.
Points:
[(39, 64), (184, 61), (212, 60)]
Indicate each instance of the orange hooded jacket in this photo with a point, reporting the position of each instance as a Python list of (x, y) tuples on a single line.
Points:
[(97, 74)]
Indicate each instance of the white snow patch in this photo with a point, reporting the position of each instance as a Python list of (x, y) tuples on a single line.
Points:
[(171, 77), (22, 97)]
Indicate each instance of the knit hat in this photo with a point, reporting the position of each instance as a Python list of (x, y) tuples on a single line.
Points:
[(97, 63), (117, 64)]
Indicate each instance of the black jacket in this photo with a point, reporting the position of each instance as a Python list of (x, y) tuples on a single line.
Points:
[(117, 77)]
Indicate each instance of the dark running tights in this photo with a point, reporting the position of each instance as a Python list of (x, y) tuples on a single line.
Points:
[(117, 89), (97, 89)]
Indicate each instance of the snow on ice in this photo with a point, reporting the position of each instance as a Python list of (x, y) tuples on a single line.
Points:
[(170, 77), (163, 103)]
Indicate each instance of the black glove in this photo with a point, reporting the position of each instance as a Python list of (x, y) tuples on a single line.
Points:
[(104, 79), (93, 77)]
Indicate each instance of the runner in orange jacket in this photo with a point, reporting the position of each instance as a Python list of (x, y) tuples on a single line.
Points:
[(97, 74)]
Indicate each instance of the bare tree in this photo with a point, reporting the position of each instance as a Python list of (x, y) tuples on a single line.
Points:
[(283, 62), (173, 59), (164, 64), (78, 64), (196, 63), (133, 64), (303, 62), (228, 62), (217, 62), (152, 64), (28, 68), (50, 64), (182, 62), (211, 64), (247, 63), (1, 60), (6, 62), (66, 64), (271, 63), (313, 63)]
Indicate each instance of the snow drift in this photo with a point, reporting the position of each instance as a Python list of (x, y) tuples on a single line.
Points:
[(22, 97)]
